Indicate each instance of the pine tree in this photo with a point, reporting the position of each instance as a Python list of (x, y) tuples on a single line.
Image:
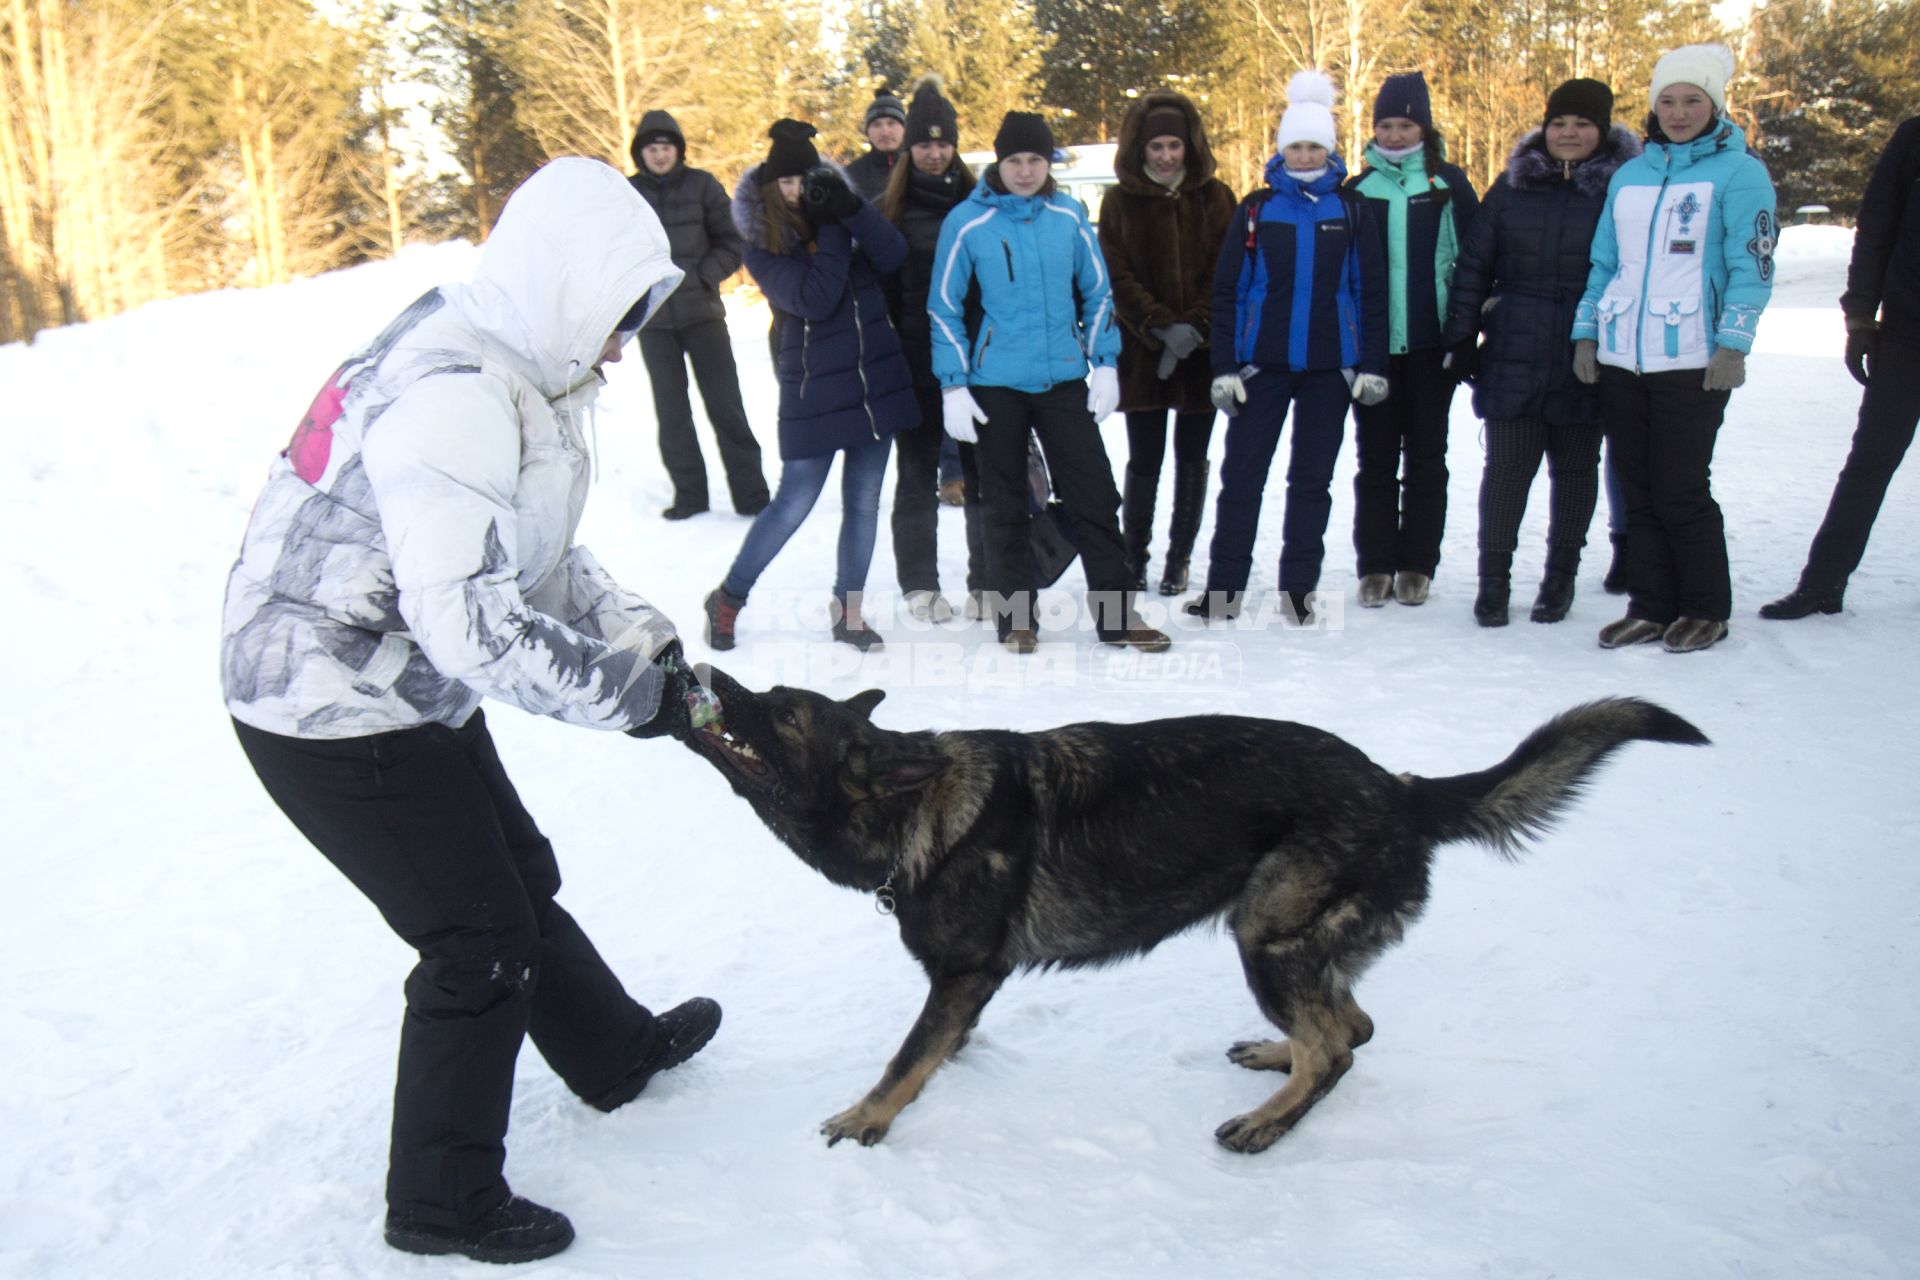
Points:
[(1104, 53), (990, 53), (459, 53), (1833, 78)]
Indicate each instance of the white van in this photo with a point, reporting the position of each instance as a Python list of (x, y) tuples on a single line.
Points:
[(1084, 172)]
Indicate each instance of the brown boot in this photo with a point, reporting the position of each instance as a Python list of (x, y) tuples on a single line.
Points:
[(722, 610), (1142, 637)]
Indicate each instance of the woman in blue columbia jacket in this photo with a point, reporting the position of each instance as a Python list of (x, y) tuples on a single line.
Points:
[(1300, 324), (1048, 319), (816, 250), (1682, 267)]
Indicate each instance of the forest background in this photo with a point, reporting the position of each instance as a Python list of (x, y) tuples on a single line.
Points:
[(152, 149)]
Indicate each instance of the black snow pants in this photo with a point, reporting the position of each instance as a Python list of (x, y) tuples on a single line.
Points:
[(425, 823), (1661, 428)]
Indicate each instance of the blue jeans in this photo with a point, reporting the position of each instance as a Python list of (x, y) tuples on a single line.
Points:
[(801, 480)]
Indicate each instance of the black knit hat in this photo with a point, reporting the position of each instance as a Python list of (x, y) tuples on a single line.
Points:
[(885, 105), (1588, 99), (1023, 131), (1405, 97), (656, 126), (930, 117), (791, 153)]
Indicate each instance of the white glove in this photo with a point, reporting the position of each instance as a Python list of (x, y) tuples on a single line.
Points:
[(1103, 392), (1228, 393), (1369, 388), (960, 411)]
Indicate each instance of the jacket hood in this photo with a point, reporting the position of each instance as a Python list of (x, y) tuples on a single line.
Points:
[(1529, 165), (575, 247), (1129, 157), (748, 205), (657, 121)]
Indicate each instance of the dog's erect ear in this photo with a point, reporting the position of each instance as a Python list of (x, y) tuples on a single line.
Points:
[(863, 703), (884, 769)]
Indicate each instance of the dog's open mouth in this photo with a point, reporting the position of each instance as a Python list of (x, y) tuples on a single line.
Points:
[(715, 740)]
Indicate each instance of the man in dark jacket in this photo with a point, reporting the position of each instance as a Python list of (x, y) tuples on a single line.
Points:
[(1882, 306), (697, 214), (886, 130)]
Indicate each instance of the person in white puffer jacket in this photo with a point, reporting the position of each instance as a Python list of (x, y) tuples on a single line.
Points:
[(1681, 269), (412, 552)]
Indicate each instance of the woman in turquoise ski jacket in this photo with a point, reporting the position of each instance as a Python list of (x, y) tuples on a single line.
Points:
[(1682, 268), (1048, 321), (1422, 208)]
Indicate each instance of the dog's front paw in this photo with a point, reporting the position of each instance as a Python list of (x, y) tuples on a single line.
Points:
[(860, 1123), (1249, 1133)]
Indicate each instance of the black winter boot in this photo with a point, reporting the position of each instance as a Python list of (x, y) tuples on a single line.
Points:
[(1496, 587), (517, 1230), (1490, 606), (1189, 504), (1556, 589), (678, 1034), (1136, 524), (1615, 583), (1802, 601)]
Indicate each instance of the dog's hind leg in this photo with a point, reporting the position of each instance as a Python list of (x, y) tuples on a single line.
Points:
[(952, 1007), (1317, 1055), (1277, 1055), (1301, 946)]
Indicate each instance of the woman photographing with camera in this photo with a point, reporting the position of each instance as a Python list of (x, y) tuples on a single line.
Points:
[(817, 251)]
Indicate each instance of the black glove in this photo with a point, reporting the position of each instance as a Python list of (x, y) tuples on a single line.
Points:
[(1863, 342), (1463, 360), (674, 717), (829, 198)]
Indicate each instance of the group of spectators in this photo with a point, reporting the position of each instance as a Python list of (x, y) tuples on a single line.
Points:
[(1606, 287)]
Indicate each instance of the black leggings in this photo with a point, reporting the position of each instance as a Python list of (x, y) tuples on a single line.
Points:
[(1514, 450)]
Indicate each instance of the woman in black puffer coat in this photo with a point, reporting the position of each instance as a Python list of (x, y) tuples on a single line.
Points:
[(818, 252), (1518, 279)]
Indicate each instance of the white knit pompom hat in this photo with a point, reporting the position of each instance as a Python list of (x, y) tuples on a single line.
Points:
[(1709, 66), (1309, 113)]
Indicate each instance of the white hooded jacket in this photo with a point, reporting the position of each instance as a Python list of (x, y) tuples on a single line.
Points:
[(413, 548)]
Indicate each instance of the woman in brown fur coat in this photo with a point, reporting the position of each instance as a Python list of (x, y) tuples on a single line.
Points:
[(1161, 229)]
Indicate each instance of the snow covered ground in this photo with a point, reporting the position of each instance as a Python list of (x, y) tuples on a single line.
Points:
[(1678, 1040)]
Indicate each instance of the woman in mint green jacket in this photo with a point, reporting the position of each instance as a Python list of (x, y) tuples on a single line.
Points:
[(1422, 207), (1682, 267)]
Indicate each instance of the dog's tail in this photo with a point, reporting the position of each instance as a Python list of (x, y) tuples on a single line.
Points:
[(1525, 794)]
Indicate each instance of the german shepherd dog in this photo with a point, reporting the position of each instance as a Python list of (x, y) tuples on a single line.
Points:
[(1091, 843)]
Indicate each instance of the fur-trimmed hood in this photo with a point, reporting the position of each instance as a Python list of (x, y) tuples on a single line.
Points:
[(1129, 158), (1529, 165), (748, 204)]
